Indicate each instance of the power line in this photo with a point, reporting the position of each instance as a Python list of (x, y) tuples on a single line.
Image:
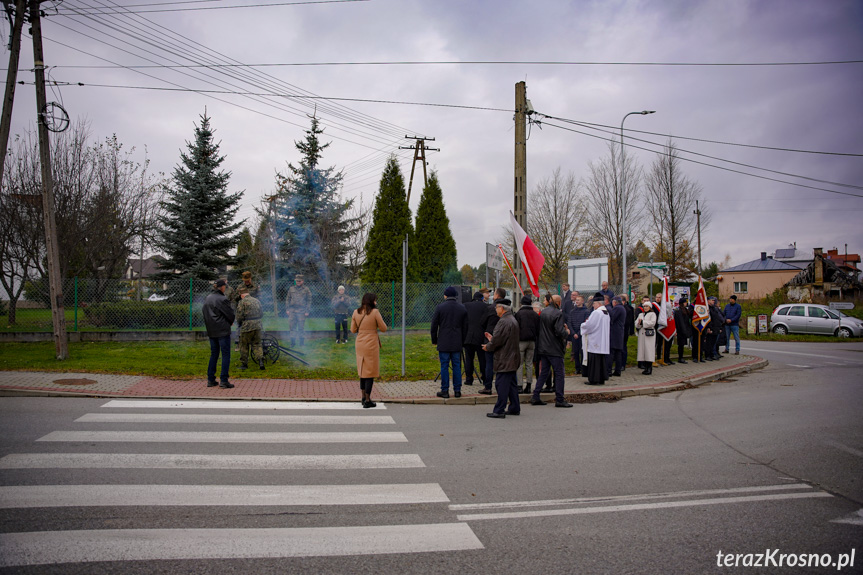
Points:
[(580, 123), (711, 165), (818, 180), (520, 63), (108, 11), (337, 99)]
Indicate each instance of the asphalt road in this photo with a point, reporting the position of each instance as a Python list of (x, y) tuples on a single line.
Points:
[(770, 462)]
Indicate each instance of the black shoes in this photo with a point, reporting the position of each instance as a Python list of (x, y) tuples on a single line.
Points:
[(443, 394), (468, 382), (212, 384), (616, 374), (261, 364), (513, 413), (485, 391), (681, 361), (547, 389), (457, 394), (368, 404), (536, 401), (494, 415), (226, 385), (562, 404)]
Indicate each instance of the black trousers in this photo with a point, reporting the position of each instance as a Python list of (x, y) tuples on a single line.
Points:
[(681, 343), (341, 323), (615, 360), (548, 365), (470, 351), (507, 390), (710, 345)]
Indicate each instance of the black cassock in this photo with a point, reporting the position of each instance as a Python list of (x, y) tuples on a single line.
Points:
[(597, 368)]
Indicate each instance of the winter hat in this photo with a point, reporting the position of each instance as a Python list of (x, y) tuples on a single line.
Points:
[(220, 282), (525, 300), (450, 292)]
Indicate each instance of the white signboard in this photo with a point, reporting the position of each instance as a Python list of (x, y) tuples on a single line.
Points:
[(676, 292), (493, 257), (841, 305)]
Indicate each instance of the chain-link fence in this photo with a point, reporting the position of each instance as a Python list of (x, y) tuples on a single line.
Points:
[(132, 305)]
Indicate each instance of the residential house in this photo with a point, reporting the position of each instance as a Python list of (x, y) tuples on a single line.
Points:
[(845, 262), (756, 279)]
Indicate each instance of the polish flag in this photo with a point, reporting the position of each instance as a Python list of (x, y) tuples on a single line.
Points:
[(531, 259), (670, 328)]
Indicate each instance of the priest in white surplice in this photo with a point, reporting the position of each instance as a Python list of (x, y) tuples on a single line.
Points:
[(597, 328)]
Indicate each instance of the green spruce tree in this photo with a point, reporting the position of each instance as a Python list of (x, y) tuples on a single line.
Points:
[(435, 246), (391, 221), (310, 217), (198, 228)]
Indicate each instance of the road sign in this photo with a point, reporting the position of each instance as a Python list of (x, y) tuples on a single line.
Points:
[(493, 257), (841, 305), (653, 265)]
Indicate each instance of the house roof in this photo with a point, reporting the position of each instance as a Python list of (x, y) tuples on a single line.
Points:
[(151, 266), (760, 265), (785, 253)]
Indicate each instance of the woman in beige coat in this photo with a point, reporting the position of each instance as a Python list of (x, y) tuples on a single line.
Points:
[(366, 322), (646, 343)]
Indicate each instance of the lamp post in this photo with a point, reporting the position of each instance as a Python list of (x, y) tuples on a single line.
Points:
[(623, 192)]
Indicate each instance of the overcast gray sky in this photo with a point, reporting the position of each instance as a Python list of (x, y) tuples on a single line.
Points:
[(802, 107)]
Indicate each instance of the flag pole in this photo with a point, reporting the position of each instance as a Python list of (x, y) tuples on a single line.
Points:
[(500, 247)]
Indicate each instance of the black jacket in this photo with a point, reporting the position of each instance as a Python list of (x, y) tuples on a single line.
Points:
[(716, 321), (476, 313), (528, 323), (577, 316), (567, 303), (629, 326), (617, 315), (218, 315), (683, 322), (491, 318), (504, 344), (449, 325), (552, 332)]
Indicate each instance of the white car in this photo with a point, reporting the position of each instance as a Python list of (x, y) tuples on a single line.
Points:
[(814, 318)]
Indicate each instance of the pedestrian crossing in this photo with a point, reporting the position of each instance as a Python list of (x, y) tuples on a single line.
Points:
[(78, 459)]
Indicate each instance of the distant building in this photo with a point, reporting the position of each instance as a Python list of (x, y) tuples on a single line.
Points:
[(756, 279), (825, 278), (150, 267), (845, 262), (798, 258)]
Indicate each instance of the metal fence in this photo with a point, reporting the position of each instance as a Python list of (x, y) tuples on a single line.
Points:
[(130, 305)]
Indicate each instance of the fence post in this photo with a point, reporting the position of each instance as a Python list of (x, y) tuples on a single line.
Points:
[(393, 302), (191, 294), (76, 303)]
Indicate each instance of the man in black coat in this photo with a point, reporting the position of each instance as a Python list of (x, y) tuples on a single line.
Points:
[(567, 302), (503, 345), (712, 330), (577, 316), (488, 325), (476, 312), (551, 345), (448, 332), (218, 317), (628, 328), (683, 324), (617, 317)]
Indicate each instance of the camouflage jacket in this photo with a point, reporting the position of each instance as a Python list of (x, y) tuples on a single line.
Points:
[(249, 314), (242, 288), (299, 299), (341, 303)]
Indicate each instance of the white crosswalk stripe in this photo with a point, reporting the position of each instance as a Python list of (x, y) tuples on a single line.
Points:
[(56, 547)]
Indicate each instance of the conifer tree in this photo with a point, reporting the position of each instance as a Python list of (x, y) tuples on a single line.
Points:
[(198, 228), (435, 246), (391, 221), (311, 220)]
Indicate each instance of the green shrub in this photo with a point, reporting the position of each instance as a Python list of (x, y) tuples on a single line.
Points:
[(4, 307), (141, 315)]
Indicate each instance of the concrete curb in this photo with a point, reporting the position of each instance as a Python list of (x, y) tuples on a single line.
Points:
[(586, 396)]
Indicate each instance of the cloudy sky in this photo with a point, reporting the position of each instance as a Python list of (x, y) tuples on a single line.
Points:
[(814, 107)]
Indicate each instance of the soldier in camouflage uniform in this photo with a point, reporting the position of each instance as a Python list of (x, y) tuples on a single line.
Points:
[(234, 296), (249, 314), (298, 304)]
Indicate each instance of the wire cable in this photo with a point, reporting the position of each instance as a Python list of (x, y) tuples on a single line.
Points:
[(190, 9)]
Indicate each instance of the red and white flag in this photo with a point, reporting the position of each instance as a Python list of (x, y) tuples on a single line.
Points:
[(670, 328), (531, 260), (701, 317)]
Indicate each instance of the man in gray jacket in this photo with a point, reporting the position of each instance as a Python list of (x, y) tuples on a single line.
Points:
[(504, 344), (218, 317)]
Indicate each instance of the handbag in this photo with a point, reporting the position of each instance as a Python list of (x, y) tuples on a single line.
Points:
[(649, 332)]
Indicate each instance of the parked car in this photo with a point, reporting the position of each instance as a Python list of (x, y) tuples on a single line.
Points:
[(814, 318)]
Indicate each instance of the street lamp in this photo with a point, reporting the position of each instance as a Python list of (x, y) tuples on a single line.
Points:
[(623, 191)]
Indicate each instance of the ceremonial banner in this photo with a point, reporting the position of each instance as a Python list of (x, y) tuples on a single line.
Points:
[(670, 328), (531, 259), (701, 317)]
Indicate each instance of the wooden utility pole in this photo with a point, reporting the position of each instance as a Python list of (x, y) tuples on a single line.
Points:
[(58, 314), (11, 76), (419, 155), (520, 192), (697, 213)]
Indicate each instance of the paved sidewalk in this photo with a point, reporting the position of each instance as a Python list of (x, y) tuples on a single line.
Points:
[(632, 382)]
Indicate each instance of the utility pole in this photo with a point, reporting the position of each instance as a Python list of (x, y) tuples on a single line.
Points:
[(271, 230), (420, 150), (11, 76), (697, 213), (520, 191), (58, 314)]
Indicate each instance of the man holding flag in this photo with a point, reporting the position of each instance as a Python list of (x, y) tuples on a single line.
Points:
[(700, 319), (670, 328)]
